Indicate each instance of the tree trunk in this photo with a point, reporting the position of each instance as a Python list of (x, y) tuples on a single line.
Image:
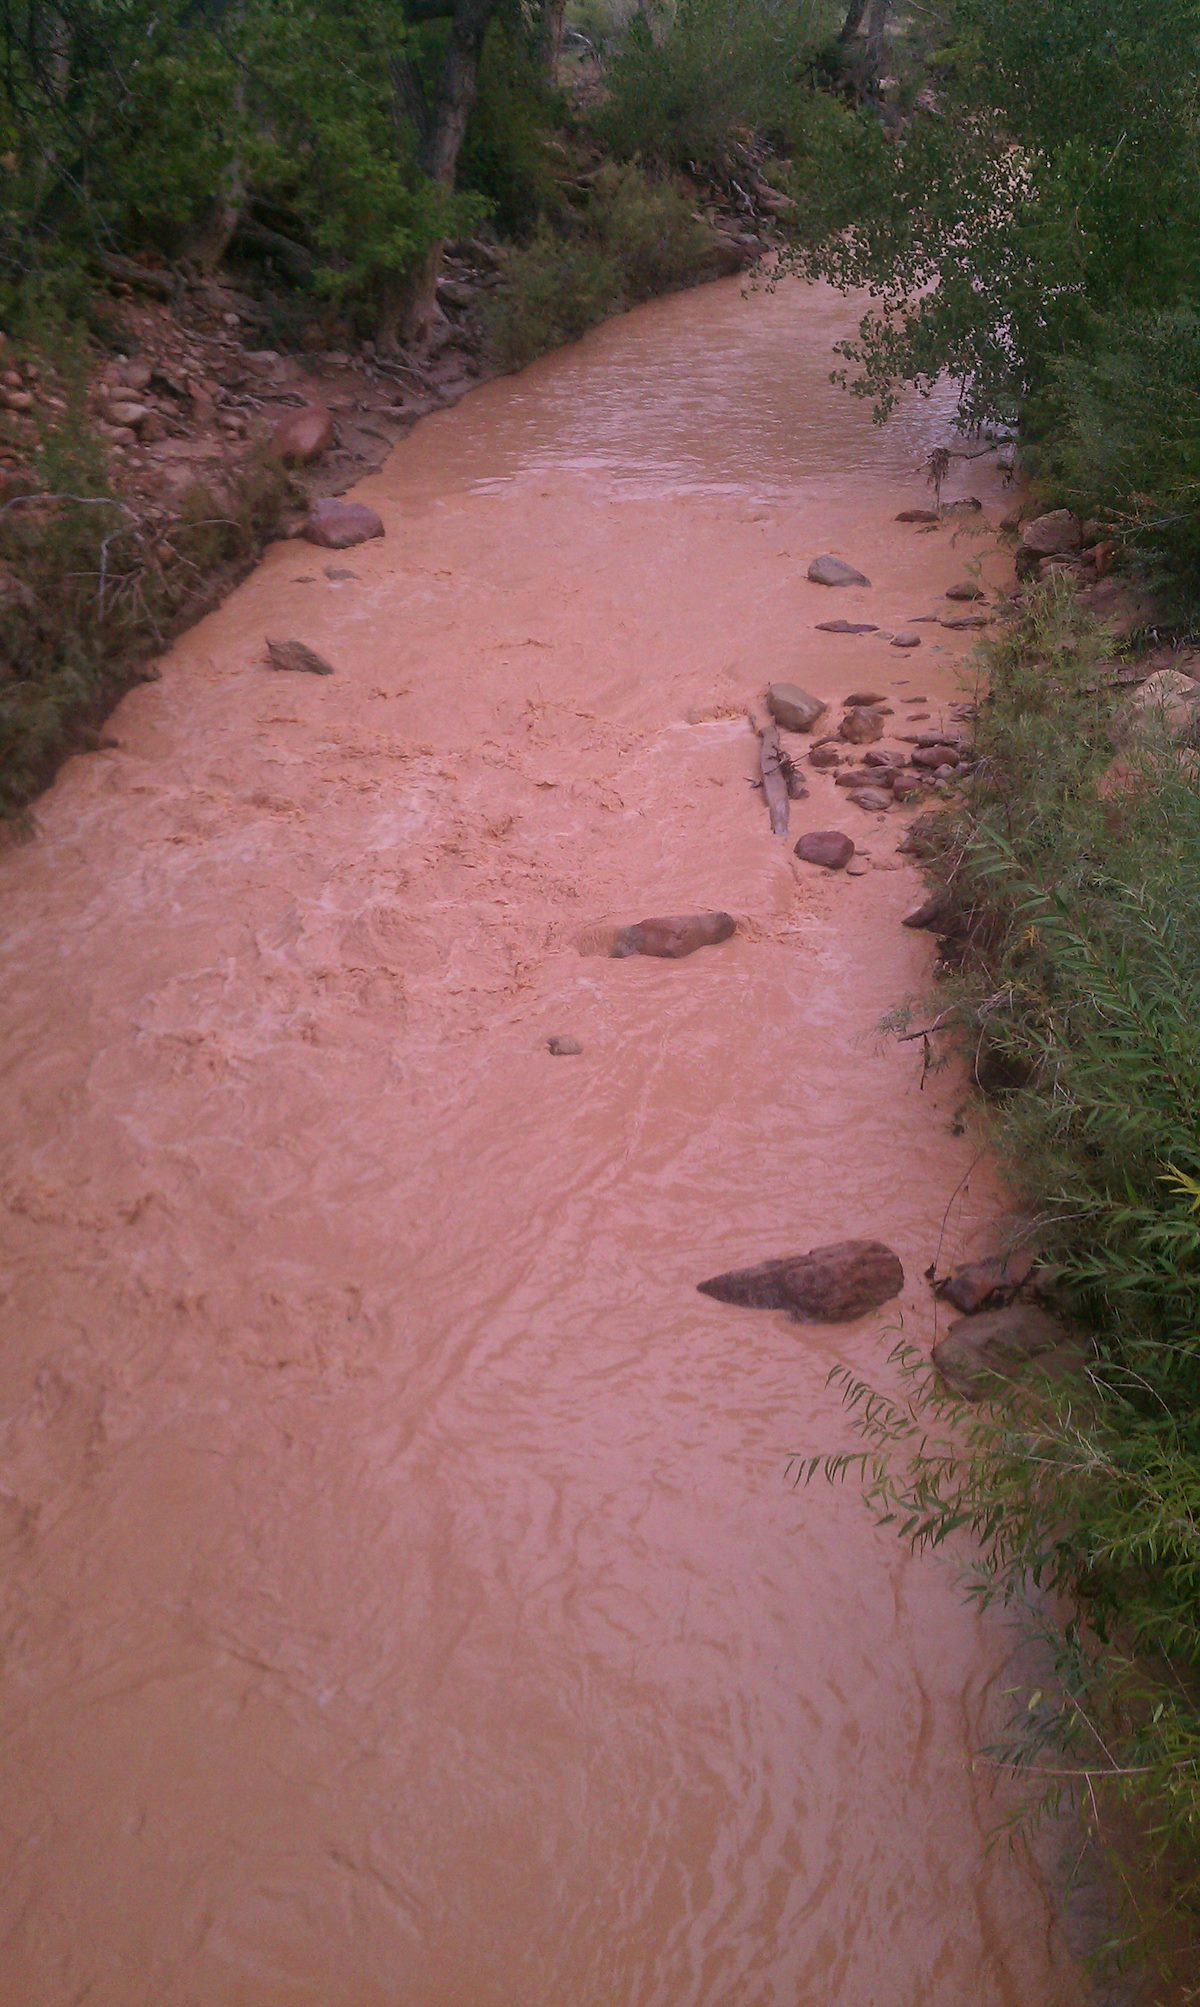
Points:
[(410, 312), (877, 22), (550, 34), (853, 20)]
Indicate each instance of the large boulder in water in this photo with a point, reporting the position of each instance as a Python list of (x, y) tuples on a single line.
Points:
[(829, 1285), (336, 525), (676, 935), (835, 571)]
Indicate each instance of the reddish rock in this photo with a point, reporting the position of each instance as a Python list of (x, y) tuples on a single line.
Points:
[(795, 709), (882, 756), (932, 757), (825, 755), (829, 1285), (957, 622), (864, 776), (870, 798), (860, 726), (967, 590), (918, 516), (859, 698), (677, 935), (1052, 534), (994, 1280), (303, 435), (906, 640), (563, 1047), (906, 786), (827, 847), (336, 525), (846, 627), (979, 1355)]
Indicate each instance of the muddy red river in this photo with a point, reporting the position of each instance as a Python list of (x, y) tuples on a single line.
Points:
[(405, 1600)]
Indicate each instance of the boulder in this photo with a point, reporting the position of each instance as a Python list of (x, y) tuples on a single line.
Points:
[(930, 758), (1167, 702), (835, 571), (906, 786), (865, 776), (994, 1280), (677, 935), (1053, 534), (336, 525), (846, 627), (793, 708), (929, 912), (827, 847), (967, 590), (861, 726), (978, 1355), (871, 798), (296, 655), (303, 435), (829, 1285)]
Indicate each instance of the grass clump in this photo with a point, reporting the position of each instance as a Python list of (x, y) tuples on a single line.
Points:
[(1076, 923)]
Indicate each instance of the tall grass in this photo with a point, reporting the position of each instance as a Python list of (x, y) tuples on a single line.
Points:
[(1076, 990)]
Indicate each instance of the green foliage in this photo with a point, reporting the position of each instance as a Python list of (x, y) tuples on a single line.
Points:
[(504, 158), (638, 237), (89, 585), (1056, 179), (715, 71), (1119, 435), (1078, 922)]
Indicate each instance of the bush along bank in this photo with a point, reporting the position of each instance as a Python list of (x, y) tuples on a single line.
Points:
[(1066, 888)]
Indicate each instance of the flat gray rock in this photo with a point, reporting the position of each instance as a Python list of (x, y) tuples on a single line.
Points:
[(835, 571), (795, 709)]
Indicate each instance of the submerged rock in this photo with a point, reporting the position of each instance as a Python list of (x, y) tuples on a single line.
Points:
[(828, 847), (967, 590), (918, 516), (336, 525), (829, 1285), (846, 627), (795, 709), (297, 655), (677, 935), (860, 698), (828, 570), (564, 1048), (906, 639), (978, 1355)]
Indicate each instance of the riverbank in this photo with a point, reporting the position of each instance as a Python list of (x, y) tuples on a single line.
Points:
[(1066, 895), (404, 1573)]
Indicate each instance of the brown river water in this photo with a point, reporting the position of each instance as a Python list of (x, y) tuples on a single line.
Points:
[(405, 1600)]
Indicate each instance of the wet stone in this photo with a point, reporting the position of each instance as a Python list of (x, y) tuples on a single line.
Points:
[(906, 640), (860, 698), (297, 656), (827, 570), (827, 847), (828, 1285), (871, 798), (979, 1355), (338, 525), (564, 1048), (846, 627), (994, 1280), (795, 709), (860, 726), (674, 936)]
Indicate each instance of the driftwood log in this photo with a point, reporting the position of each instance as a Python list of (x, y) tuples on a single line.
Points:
[(774, 779)]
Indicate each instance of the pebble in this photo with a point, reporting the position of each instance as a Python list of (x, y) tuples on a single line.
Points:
[(564, 1048)]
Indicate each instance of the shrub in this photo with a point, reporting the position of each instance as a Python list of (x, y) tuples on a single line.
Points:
[(552, 291)]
